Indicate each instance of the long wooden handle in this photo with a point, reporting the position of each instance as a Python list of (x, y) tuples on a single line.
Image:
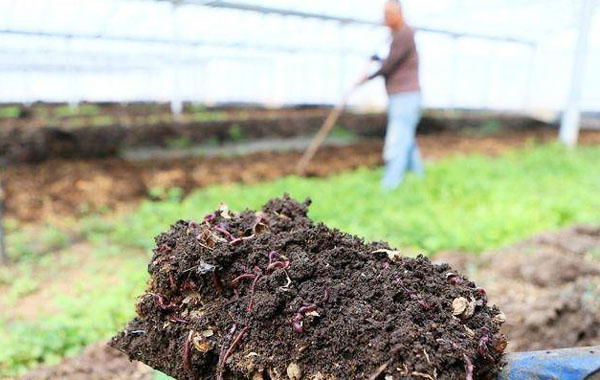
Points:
[(327, 126)]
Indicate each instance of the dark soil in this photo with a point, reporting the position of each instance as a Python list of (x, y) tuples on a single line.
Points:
[(41, 138), (271, 295), (548, 286), (560, 311), (54, 189), (20, 144)]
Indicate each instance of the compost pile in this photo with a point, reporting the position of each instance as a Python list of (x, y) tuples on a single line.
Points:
[(272, 295)]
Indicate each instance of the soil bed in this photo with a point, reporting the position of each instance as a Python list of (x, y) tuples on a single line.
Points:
[(548, 287), (105, 132), (56, 188), (272, 295)]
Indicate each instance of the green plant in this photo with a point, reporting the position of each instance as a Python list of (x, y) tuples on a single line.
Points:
[(102, 120), (209, 116), (196, 108), (471, 203), (65, 110), (88, 110), (487, 128), (180, 142), (92, 311), (212, 141), (236, 133), (41, 111), (29, 243), (10, 112), (340, 132)]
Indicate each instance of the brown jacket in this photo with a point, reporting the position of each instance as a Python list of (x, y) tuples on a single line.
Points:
[(401, 68)]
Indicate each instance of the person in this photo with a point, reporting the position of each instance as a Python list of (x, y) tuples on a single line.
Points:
[(401, 73)]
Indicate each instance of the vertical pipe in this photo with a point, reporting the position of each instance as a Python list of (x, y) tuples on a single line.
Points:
[(176, 99), (489, 76), (342, 58), (569, 128), (529, 80), (454, 73)]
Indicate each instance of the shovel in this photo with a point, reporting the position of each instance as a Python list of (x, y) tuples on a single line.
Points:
[(566, 364)]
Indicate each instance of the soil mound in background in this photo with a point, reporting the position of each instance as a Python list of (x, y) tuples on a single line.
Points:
[(548, 286), (272, 295), (97, 362)]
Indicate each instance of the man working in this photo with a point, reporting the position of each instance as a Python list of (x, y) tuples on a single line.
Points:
[(401, 73)]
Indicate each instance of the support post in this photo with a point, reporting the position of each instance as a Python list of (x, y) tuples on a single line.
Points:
[(569, 127), (454, 73), (176, 98), (489, 77), (529, 80)]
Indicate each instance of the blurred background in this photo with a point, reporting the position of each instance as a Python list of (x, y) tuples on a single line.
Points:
[(502, 55), (119, 117)]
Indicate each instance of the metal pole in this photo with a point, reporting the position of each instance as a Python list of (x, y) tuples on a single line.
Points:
[(3, 253), (342, 61), (529, 80), (176, 98), (454, 73), (569, 128), (489, 77)]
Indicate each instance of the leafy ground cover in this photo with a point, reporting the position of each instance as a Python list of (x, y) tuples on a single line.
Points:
[(469, 203), (84, 293)]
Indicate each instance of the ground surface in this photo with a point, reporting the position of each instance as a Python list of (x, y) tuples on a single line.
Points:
[(74, 284), (54, 189), (548, 308), (97, 362), (548, 287)]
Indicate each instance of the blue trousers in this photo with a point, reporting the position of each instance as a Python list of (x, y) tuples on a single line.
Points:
[(400, 152)]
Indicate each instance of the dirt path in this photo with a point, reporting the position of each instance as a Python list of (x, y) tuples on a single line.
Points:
[(54, 189), (97, 362)]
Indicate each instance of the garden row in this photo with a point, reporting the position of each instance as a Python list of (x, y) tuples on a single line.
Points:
[(60, 302), (33, 144)]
